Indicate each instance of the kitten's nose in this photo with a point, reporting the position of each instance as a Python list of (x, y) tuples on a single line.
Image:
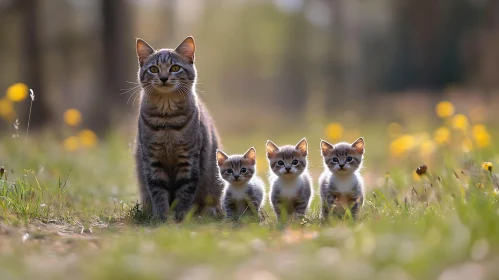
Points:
[(341, 166), (288, 168), (164, 79), (236, 176)]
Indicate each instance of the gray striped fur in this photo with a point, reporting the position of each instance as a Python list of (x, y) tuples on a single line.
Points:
[(243, 193), (176, 139), (341, 185), (290, 184)]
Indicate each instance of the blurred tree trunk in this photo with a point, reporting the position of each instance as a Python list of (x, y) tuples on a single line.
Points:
[(429, 39), (115, 45), (293, 86), (32, 63), (333, 66)]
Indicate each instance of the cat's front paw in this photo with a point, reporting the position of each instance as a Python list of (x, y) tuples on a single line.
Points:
[(179, 216), (212, 211)]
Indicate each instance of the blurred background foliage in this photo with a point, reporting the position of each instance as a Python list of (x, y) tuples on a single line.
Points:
[(264, 66)]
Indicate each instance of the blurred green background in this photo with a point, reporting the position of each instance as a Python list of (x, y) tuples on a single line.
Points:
[(261, 63), (281, 70)]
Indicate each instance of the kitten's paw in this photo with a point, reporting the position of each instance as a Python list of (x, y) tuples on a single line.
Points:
[(213, 211), (179, 216)]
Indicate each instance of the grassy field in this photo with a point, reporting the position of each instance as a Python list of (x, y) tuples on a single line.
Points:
[(70, 212)]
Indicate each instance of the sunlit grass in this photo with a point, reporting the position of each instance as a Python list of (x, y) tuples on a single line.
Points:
[(73, 213)]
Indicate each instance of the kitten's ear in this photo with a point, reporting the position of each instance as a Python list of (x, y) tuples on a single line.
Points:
[(221, 157), (358, 145), (272, 149), (187, 49), (144, 51), (251, 155), (302, 147), (326, 147)]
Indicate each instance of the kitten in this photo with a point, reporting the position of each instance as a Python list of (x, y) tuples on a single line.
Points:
[(341, 184), (290, 184), (177, 139), (243, 192)]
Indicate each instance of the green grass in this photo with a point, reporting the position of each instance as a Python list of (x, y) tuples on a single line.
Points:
[(73, 215)]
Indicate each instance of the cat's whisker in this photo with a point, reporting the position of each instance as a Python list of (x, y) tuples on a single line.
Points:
[(133, 93), (125, 91)]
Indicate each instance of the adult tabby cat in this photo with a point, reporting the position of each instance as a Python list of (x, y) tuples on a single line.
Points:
[(176, 139)]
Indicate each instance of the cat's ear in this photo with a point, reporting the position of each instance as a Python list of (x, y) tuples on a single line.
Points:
[(302, 147), (272, 149), (358, 145), (144, 51), (326, 147), (251, 155), (221, 157), (187, 49)]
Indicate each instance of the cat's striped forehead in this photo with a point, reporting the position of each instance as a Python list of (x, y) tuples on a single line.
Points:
[(343, 149), (288, 153), (166, 56), (236, 162)]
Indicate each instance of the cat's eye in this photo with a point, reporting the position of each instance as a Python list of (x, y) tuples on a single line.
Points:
[(153, 69), (243, 170), (336, 160), (280, 163), (295, 162), (175, 68), (349, 159), (230, 171)]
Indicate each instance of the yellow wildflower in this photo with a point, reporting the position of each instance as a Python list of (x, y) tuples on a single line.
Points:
[(488, 166), (460, 122), (480, 185), (71, 143), (72, 117), (441, 135), (401, 144), (334, 131), (481, 135), (394, 129), (87, 138), (444, 109), (17, 92)]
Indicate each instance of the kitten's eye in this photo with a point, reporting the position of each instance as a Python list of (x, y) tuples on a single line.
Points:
[(295, 162), (153, 69), (230, 171), (336, 160), (243, 170), (349, 159), (280, 163), (175, 68)]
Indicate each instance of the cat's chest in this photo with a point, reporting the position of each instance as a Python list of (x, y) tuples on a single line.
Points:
[(170, 149), (289, 189), (344, 184)]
